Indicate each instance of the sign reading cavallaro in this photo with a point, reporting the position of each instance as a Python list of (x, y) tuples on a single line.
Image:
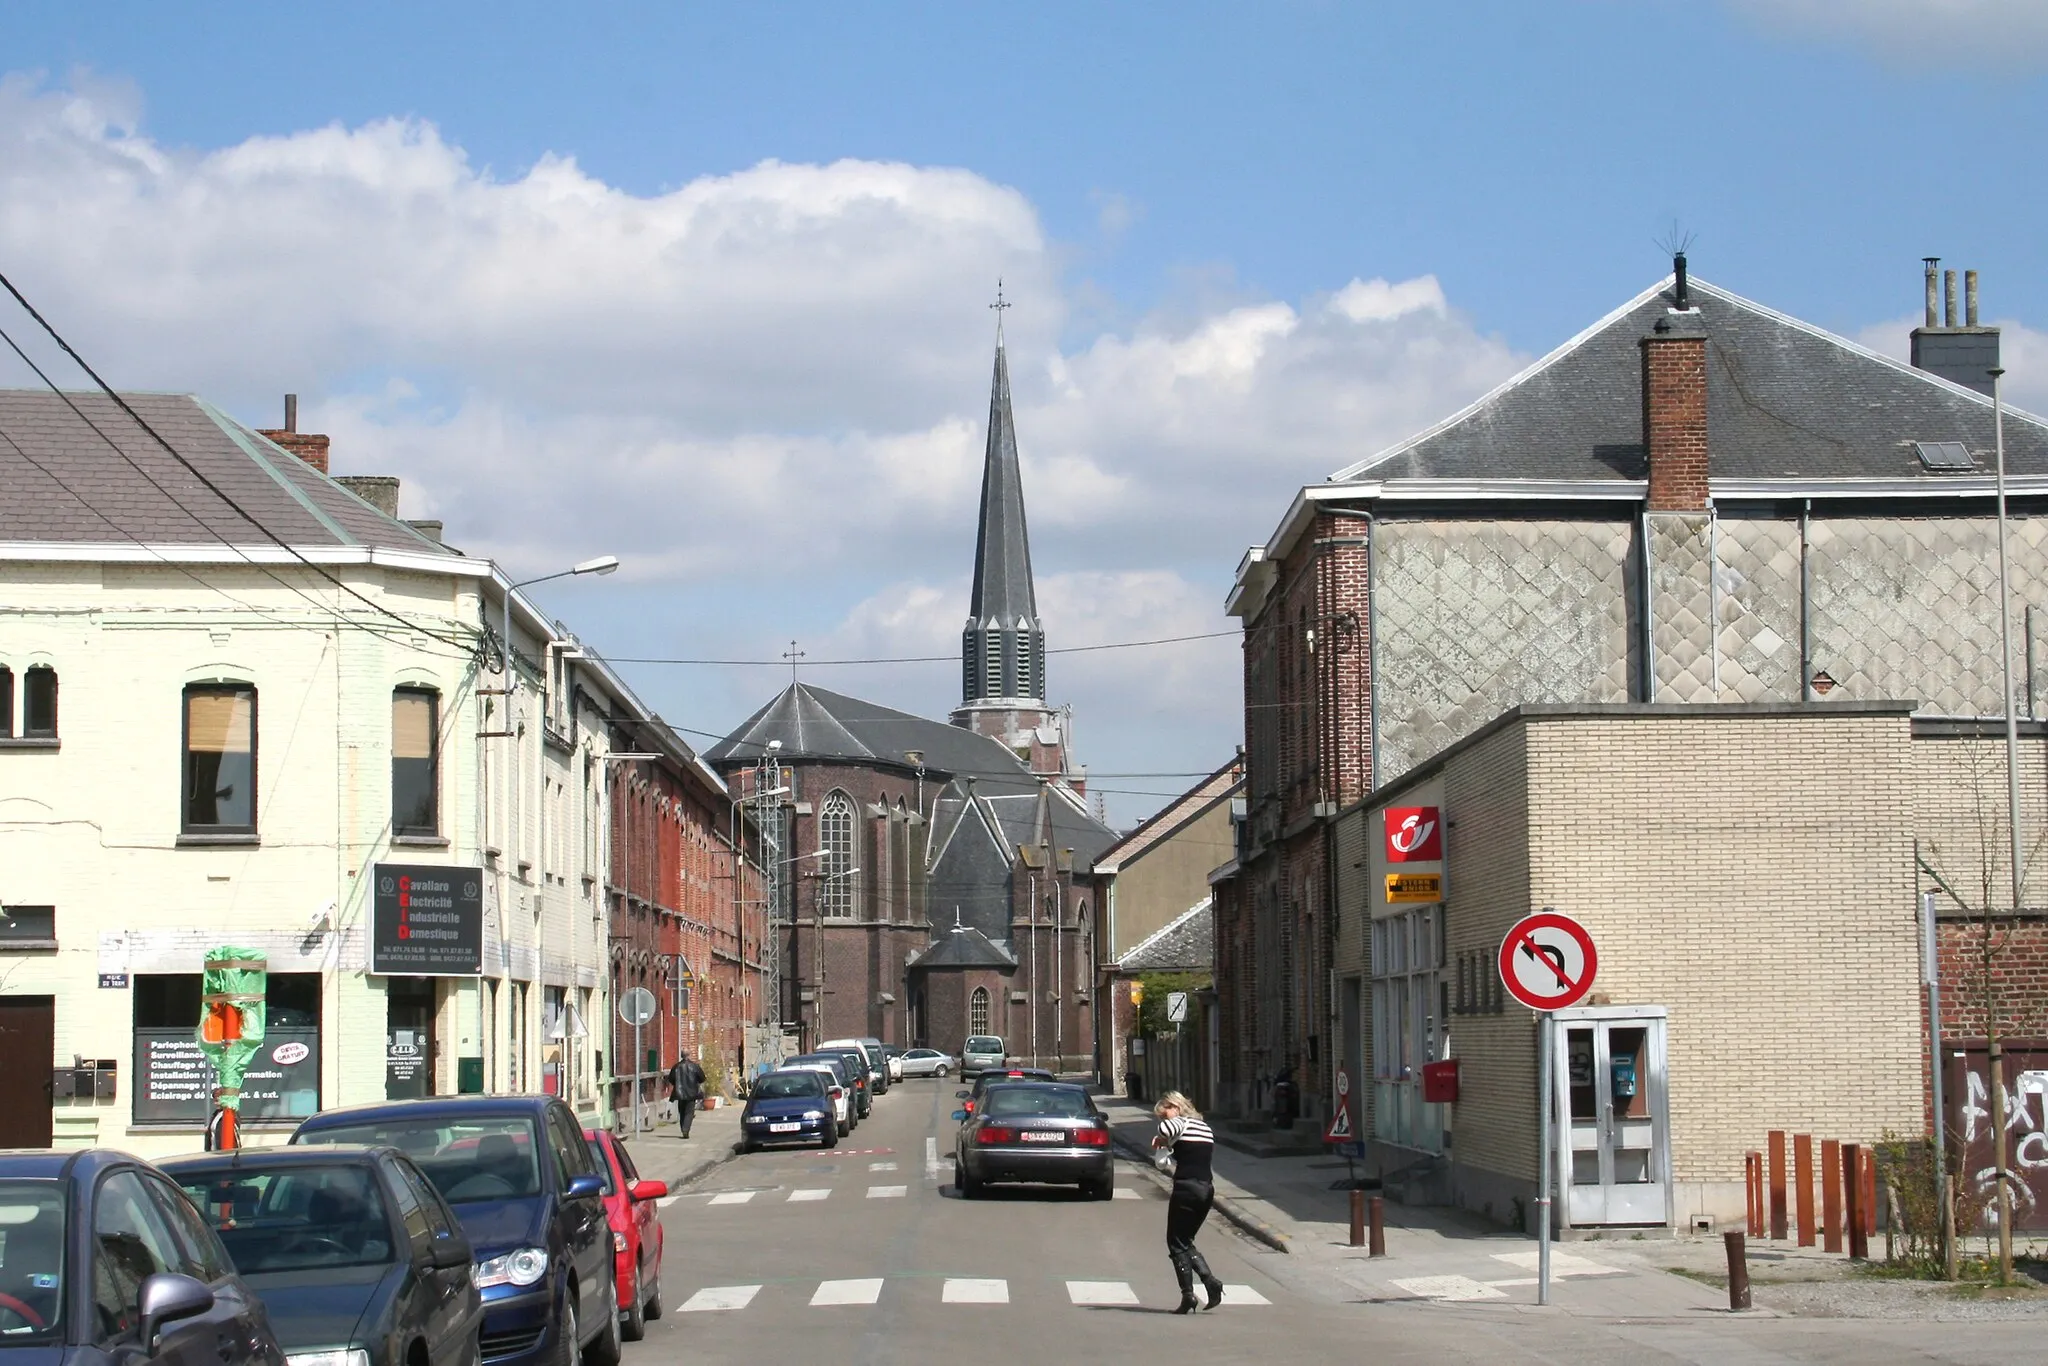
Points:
[(426, 921)]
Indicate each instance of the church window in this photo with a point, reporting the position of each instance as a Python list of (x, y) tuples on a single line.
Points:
[(992, 675), (835, 839), (977, 1011)]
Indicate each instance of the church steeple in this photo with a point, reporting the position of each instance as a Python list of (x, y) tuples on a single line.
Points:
[(1002, 650)]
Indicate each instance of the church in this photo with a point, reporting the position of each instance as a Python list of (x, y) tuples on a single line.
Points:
[(933, 877)]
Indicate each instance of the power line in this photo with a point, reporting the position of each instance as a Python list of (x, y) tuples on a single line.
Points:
[(922, 659)]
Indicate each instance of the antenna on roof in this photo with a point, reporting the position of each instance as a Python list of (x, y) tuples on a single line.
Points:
[(1678, 242)]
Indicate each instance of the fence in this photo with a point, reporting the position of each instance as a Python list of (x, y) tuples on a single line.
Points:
[(1847, 1193)]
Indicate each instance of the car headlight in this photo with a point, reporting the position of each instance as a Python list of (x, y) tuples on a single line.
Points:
[(333, 1356), (814, 1114), (757, 1119), (523, 1267)]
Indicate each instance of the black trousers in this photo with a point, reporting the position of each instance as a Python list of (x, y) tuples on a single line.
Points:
[(1185, 1211), (686, 1113)]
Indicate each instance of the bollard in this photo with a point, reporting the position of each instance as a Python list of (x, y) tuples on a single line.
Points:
[(1357, 1218), (1738, 1271), (1378, 1239)]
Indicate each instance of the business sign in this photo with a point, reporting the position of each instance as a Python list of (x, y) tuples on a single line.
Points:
[(174, 1080), (1414, 888), (426, 921), (1415, 834)]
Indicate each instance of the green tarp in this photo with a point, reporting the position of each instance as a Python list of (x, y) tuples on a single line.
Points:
[(236, 977)]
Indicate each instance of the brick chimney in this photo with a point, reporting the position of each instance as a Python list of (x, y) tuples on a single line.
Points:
[(310, 447), (1675, 411)]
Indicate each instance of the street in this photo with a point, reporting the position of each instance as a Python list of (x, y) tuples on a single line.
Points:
[(865, 1254)]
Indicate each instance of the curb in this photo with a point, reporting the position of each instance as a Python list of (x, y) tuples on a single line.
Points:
[(1250, 1226)]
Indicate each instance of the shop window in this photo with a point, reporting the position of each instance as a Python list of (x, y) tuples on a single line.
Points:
[(415, 763), (39, 703), (28, 927), (173, 1079), (220, 760)]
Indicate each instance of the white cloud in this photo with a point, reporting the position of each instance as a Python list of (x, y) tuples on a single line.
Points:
[(1936, 33)]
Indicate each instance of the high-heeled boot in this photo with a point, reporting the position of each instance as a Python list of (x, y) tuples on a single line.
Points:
[(1184, 1272), (1200, 1266)]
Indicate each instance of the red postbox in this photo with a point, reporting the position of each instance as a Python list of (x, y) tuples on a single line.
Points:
[(1440, 1082)]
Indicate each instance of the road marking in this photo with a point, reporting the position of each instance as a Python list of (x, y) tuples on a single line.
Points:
[(665, 1201), (885, 1192), (1241, 1294), (1561, 1264), (732, 1197), (960, 1290), (881, 1166), (931, 1159), (848, 1292), (713, 1297), (1126, 1193), (1101, 1292), (1450, 1288), (813, 1193)]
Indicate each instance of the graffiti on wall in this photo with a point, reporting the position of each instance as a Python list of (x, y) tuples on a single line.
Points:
[(1971, 1123)]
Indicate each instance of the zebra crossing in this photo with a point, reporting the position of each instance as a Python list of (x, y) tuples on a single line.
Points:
[(961, 1290)]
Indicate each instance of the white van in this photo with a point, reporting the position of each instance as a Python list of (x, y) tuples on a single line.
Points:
[(878, 1062)]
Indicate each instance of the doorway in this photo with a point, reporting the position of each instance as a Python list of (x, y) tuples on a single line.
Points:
[(409, 1045), (1615, 1162), (28, 1036)]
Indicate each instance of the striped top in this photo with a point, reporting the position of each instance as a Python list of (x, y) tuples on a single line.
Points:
[(1192, 1143)]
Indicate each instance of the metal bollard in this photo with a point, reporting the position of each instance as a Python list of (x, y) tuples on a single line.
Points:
[(1377, 1241), (1358, 1218), (1738, 1271)]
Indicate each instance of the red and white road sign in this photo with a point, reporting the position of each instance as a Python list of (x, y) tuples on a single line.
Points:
[(1340, 1124), (1547, 961)]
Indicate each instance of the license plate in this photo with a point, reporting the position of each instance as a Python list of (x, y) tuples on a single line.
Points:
[(784, 1128), (1040, 1136)]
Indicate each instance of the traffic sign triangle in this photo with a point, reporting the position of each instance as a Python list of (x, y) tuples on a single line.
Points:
[(1340, 1125)]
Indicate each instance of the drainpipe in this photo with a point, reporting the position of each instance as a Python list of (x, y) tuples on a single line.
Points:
[(1806, 581)]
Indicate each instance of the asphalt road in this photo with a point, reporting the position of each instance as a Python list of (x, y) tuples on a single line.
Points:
[(863, 1254)]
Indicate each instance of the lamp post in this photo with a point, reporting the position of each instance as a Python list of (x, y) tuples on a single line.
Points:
[(603, 564), (1994, 1044)]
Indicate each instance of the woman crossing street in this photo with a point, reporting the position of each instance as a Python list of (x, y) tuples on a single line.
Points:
[(1183, 1133)]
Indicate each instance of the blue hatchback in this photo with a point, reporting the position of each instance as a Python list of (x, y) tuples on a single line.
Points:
[(517, 1173), (789, 1107)]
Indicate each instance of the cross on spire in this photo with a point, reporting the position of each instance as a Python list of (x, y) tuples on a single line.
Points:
[(999, 305), (792, 654)]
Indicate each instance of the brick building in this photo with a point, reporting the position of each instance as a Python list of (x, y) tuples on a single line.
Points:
[(1696, 500)]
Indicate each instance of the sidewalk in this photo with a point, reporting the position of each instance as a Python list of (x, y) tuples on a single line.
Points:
[(1433, 1254), (662, 1154)]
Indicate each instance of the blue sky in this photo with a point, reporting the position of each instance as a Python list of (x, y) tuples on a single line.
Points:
[(1181, 197)]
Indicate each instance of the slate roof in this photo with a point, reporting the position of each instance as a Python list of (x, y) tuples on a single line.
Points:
[(963, 946), (1187, 943), (816, 723), (1002, 545), (66, 483), (1785, 401)]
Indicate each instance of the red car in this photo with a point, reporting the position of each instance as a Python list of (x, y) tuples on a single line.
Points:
[(636, 1232)]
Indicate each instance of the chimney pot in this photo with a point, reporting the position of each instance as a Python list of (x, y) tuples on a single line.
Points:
[(291, 412), (1681, 294), (1948, 287), (1933, 291), (1970, 297)]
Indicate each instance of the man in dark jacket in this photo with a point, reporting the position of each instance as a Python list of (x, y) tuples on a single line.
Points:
[(686, 1085)]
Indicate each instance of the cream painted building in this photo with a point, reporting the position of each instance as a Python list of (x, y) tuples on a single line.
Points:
[(238, 700)]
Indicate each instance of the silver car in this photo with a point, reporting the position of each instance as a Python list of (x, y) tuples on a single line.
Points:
[(981, 1051), (927, 1062)]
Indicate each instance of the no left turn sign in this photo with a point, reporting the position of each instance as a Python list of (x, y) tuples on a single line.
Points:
[(1547, 961)]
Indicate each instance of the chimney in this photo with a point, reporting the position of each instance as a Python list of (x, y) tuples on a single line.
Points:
[(1964, 353), (1675, 413), (310, 447), (380, 491)]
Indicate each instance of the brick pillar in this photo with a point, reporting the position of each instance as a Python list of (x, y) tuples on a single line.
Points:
[(1675, 416)]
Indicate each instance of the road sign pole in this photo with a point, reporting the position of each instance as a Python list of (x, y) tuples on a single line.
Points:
[(1544, 1027), (639, 1061)]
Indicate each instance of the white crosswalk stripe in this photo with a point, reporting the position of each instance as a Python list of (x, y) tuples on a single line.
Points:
[(732, 1197), (1240, 1294), (1101, 1292), (963, 1290), (886, 1192), (865, 1291), (881, 1166), (813, 1193), (715, 1297), (665, 1201), (1126, 1193)]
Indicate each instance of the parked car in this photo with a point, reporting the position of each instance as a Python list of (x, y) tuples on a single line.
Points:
[(106, 1261), (854, 1063), (986, 1079), (835, 1087), (1034, 1131), (981, 1050), (927, 1062), (519, 1176), (871, 1052), (891, 1057), (353, 1252), (788, 1107), (635, 1222)]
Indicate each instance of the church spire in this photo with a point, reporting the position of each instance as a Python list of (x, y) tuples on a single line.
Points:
[(1003, 646)]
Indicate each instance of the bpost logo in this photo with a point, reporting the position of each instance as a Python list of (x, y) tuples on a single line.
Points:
[(1414, 835)]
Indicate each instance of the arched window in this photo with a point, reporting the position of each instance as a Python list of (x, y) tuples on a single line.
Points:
[(835, 838), (977, 1011)]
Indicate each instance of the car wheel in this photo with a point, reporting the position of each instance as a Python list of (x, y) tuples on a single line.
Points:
[(746, 1146), (831, 1138), (1104, 1189), (942, 1070), (633, 1323), (604, 1349), (970, 1186), (651, 1307), (566, 1348)]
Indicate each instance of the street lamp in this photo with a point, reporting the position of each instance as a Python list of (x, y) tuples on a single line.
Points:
[(603, 564)]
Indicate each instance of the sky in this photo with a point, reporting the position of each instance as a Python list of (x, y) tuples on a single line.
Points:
[(707, 287)]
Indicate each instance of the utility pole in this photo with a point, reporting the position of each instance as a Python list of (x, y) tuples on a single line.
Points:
[(1994, 1048), (767, 802)]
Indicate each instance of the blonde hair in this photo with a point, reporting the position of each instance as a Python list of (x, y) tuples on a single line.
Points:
[(1178, 1102)]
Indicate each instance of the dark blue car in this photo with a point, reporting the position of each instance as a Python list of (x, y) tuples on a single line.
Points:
[(789, 1107), (105, 1261), (517, 1173)]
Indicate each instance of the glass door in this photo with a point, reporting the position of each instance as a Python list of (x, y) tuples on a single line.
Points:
[(1615, 1160)]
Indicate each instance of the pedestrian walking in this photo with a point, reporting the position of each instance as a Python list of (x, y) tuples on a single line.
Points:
[(1183, 1133), (686, 1084)]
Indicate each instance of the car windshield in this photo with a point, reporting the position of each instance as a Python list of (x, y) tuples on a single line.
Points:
[(785, 1085), (31, 1261), (984, 1043), (1058, 1102), (822, 1073), (469, 1157), (293, 1218)]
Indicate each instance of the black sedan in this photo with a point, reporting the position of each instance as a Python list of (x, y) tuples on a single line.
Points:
[(1034, 1131), (352, 1250), (104, 1261)]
